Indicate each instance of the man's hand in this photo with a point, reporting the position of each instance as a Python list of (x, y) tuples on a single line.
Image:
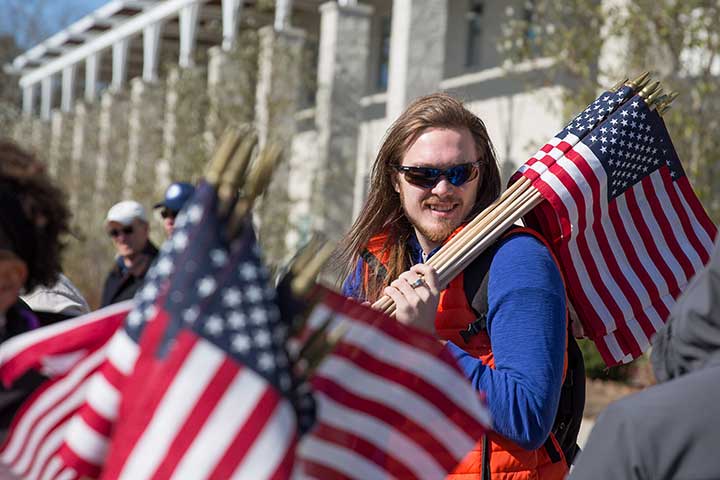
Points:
[(416, 294)]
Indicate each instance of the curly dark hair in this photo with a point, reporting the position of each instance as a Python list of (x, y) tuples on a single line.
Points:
[(33, 214)]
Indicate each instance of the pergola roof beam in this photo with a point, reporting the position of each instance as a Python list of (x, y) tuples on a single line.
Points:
[(132, 26)]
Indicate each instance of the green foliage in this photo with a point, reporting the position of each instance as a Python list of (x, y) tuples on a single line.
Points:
[(678, 42), (595, 367)]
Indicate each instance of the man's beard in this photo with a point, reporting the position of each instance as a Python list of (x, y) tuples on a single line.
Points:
[(439, 231)]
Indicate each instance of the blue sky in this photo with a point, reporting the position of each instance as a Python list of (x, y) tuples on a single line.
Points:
[(18, 16)]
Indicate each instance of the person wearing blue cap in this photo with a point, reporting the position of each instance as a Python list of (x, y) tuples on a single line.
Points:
[(175, 197)]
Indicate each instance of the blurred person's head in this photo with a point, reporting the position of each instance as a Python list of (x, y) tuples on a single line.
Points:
[(127, 226), (176, 195), (33, 217)]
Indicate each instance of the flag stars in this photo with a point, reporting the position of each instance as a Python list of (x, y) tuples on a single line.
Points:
[(164, 266), (262, 339), (248, 271), (218, 257), (214, 325), (258, 316), (149, 292), (241, 343), (180, 240), (266, 362), (254, 294), (190, 315), (237, 320), (134, 318), (206, 286), (232, 297), (194, 213)]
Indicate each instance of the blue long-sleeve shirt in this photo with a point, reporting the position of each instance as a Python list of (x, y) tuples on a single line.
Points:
[(526, 325)]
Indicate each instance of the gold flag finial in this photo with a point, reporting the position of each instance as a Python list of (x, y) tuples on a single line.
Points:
[(619, 84), (655, 97), (640, 81), (664, 105), (649, 90)]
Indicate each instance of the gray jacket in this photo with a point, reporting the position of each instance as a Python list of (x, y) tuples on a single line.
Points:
[(671, 430)]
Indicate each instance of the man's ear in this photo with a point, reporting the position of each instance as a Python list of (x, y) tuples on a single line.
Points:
[(394, 180)]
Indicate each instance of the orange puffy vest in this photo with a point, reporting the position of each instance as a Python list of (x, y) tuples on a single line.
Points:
[(508, 461)]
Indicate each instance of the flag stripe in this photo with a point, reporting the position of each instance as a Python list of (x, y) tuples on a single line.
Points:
[(194, 364), (208, 400), (377, 441), (413, 354), (44, 411), (267, 456), (335, 462), (231, 423), (390, 413), (89, 331), (381, 456), (691, 204), (399, 376)]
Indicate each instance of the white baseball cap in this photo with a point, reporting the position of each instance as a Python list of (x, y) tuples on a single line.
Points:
[(125, 212)]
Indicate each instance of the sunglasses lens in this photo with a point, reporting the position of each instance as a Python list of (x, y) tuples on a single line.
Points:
[(426, 177), (460, 174), (166, 212), (116, 232), (422, 177)]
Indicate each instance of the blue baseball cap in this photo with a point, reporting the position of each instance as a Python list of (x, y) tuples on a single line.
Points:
[(176, 195)]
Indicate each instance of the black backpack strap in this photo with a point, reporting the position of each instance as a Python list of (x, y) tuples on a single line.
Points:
[(475, 283)]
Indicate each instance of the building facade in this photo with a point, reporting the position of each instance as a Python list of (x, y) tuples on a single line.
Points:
[(136, 94)]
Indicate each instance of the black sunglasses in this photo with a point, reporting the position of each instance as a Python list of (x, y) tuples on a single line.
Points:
[(115, 232), (167, 213), (428, 177)]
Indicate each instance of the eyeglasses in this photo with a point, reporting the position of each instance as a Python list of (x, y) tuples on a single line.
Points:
[(167, 213), (428, 177), (115, 232)]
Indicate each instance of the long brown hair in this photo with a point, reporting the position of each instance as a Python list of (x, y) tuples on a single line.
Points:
[(383, 211)]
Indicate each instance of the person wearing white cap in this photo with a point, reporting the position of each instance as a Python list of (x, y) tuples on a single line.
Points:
[(126, 224)]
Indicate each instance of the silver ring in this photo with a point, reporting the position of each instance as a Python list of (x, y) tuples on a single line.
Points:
[(417, 283)]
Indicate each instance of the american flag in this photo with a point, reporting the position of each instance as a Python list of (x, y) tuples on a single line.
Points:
[(622, 218), (216, 321), (209, 395), (64, 429), (69, 354), (391, 402)]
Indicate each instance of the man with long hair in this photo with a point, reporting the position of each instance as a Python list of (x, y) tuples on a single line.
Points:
[(435, 170)]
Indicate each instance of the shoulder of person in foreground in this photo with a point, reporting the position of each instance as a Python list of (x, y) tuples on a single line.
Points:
[(63, 299), (692, 333), (527, 328), (668, 431)]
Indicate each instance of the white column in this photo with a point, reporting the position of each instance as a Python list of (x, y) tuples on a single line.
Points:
[(342, 83), (46, 97), (151, 47), (28, 99), (231, 11), (283, 10), (92, 69), (67, 99), (417, 51), (119, 63), (188, 34)]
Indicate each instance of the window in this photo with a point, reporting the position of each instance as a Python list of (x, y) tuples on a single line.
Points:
[(474, 16), (381, 81)]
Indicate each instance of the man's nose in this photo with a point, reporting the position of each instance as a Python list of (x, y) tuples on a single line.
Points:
[(442, 186)]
